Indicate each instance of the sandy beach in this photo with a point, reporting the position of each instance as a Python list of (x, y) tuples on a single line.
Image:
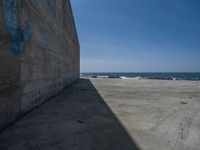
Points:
[(112, 114)]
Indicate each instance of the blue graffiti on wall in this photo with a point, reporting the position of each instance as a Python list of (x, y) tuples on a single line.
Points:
[(51, 7), (18, 35), (44, 44), (47, 46)]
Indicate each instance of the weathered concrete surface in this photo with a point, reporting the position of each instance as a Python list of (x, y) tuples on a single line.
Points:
[(113, 114), (39, 53), (77, 119)]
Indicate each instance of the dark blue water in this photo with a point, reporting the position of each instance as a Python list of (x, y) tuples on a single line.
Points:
[(159, 76)]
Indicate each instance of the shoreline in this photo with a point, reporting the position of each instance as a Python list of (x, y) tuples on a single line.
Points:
[(136, 79)]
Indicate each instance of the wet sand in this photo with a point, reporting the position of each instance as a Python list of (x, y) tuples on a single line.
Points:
[(112, 114)]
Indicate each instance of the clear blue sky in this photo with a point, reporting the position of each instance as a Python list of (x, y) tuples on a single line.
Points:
[(138, 35)]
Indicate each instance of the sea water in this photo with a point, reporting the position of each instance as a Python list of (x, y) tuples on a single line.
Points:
[(142, 75)]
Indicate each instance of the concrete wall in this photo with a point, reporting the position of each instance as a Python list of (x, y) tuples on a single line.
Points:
[(39, 53)]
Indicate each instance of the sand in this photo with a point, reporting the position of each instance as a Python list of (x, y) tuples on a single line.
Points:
[(112, 114)]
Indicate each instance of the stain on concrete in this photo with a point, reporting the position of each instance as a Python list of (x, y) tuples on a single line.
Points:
[(46, 46), (18, 36), (43, 45)]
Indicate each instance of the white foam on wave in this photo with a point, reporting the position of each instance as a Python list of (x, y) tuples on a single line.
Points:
[(102, 76), (133, 78), (173, 78)]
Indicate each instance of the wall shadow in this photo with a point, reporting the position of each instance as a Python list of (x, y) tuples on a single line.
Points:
[(76, 119)]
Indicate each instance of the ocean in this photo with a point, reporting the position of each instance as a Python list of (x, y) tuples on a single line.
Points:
[(142, 75)]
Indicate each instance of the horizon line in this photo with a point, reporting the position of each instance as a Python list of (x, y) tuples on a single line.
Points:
[(138, 72)]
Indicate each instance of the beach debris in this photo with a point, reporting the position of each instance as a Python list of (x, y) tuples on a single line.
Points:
[(79, 121), (81, 89), (183, 103)]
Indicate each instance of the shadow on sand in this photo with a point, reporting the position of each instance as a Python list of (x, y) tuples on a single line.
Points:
[(76, 119)]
